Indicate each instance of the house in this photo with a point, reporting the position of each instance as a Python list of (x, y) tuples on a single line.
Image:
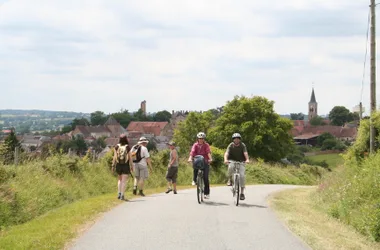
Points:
[(154, 128), (28, 142), (111, 128)]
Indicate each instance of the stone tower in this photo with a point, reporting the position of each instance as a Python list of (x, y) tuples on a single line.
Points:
[(143, 107), (313, 106)]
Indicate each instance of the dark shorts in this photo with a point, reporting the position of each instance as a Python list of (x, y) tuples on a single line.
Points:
[(171, 174), (123, 169)]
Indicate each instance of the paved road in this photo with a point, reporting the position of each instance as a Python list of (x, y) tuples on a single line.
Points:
[(168, 221)]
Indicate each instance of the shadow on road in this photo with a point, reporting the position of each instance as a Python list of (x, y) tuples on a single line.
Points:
[(251, 205), (212, 203)]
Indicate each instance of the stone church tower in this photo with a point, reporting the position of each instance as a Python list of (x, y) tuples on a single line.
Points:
[(313, 106)]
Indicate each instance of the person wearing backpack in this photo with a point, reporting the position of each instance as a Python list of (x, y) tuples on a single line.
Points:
[(122, 162), (141, 158), (201, 148)]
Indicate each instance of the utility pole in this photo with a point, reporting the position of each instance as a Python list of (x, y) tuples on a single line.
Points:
[(360, 111), (373, 74)]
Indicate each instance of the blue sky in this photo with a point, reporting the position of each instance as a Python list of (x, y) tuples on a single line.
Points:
[(184, 55)]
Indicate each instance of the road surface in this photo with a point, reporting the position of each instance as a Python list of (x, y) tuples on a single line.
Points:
[(169, 221)]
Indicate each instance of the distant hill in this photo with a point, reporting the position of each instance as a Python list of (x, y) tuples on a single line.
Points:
[(23, 112)]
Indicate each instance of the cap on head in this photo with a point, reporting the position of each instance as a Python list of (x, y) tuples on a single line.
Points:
[(171, 143), (143, 140)]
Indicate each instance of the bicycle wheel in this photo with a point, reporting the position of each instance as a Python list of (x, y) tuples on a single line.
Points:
[(237, 190), (202, 188), (199, 189)]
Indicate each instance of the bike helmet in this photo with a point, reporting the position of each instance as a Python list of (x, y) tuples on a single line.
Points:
[(236, 135), (201, 135)]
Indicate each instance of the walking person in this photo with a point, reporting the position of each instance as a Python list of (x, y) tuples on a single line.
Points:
[(172, 172), (122, 162), (141, 159), (201, 147)]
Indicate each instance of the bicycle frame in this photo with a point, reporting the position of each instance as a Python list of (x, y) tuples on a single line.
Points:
[(236, 182), (200, 186)]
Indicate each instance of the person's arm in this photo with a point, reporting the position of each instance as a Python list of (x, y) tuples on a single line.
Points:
[(208, 150), (174, 157), (149, 164), (226, 154), (192, 153), (130, 161), (114, 159), (148, 160), (245, 153)]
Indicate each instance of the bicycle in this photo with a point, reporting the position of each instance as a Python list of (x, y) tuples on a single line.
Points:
[(236, 182), (200, 186)]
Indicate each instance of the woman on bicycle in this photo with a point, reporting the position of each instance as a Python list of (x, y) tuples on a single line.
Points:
[(202, 148), (236, 151)]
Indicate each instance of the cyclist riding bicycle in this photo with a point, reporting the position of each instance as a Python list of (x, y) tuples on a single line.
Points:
[(201, 147), (236, 151)]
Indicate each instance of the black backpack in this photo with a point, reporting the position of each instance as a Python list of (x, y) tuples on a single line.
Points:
[(136, 153)]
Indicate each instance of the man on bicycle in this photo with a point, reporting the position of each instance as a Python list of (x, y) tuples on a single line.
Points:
[(236, 151)]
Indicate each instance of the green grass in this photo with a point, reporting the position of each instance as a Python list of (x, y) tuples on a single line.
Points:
[(333, 160), (304, 215)]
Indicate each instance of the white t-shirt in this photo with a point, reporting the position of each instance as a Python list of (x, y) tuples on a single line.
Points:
[(144, 154)]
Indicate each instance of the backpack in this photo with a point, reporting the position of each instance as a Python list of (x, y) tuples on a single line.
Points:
[(199, 162), (136, 153), (122, 154)]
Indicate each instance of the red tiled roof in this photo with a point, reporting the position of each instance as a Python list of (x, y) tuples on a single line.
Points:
[(336, 131), (147, 127), (111, 141)]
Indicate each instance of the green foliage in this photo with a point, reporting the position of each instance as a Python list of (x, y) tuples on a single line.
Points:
[(30, 190), (317, 121), (353, 196), (7, 149), (162, 116), (297, 116), (123, 117), (265, 133), (81, 121), (98, 118), (66, 129), (339, 115), (324, 137), (187, 130)]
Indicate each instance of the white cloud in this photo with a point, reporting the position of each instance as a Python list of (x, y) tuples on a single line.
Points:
[(191, 55)]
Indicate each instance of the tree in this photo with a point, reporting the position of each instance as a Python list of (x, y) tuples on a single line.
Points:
[(317, 121), (98, 118), (187, 130), (295, 116), (7, 149), (162, 116), (339, 115), (82, 121), (66, 129), (264, 132), (123, 117), (323, 137)]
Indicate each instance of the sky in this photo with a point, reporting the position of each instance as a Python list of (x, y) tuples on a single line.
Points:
[(89, 55)]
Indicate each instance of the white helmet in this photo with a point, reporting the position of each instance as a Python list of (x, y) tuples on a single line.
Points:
[(201, 135), (236, 135)]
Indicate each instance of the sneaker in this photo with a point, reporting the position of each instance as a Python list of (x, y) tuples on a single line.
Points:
[(229, 183), (168, 190), (141, 193), (119, 196), (134, 191), (242, 197), (207, 196), (175, 191), (193, 183), (122, 197)]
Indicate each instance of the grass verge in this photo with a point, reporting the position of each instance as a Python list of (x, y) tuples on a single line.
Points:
[(57, 228), (333, 160), (304, 217)]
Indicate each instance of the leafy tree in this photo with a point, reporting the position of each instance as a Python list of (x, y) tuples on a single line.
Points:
[(139, 116), (66, 129), (317, 121), (162, 116), (81, 121), (187, 130), (265, 133), (323, 137), (123, 117), (7, 149), (297, 116), (339, 115), (98, 118)]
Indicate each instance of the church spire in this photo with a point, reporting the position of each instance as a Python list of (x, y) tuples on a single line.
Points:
[(312, 99)]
